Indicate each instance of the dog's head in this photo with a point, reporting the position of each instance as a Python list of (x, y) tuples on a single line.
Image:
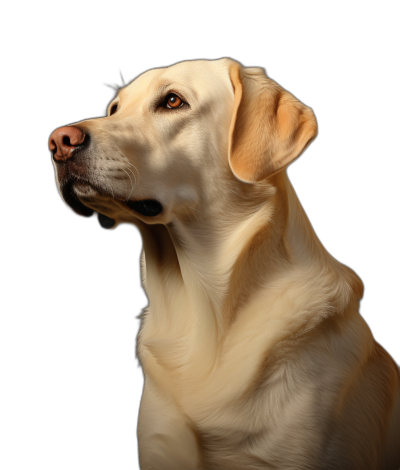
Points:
[(175, 137)]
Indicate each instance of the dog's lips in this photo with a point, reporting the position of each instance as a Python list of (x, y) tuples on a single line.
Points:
[(74, 170), (69, 175), (147, 207), (74, 189), (73, 201)]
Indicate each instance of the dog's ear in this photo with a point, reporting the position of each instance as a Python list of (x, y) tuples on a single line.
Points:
[(269, 127)]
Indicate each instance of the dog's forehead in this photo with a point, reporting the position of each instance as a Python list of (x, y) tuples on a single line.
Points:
[(200, 76)]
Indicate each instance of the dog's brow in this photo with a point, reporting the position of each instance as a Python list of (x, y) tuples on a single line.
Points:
[(164, 87)]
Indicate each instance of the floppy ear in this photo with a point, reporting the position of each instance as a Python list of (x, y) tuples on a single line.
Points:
[(269, 127)]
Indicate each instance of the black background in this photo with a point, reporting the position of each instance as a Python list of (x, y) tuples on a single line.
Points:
[(78, 293)]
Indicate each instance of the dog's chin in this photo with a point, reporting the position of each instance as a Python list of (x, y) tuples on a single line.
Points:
[(70, 191), (85, 199)]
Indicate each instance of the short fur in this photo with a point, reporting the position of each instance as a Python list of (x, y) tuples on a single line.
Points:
[(254, 353)]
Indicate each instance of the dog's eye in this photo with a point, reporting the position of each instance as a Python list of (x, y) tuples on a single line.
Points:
[(173, 101), (113, 109)]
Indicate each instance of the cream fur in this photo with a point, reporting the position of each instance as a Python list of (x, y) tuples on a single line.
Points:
[(254, 353)]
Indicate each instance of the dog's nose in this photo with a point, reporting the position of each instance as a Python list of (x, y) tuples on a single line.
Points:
[(64, 140)]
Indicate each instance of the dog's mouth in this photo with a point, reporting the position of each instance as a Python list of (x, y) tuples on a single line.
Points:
[(86, 194), (146, 207)]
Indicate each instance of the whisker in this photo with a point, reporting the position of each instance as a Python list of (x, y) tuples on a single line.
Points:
[(134, 186), (133, 174), (122, 78), (124, 180), (131, 183), (129, 163), (115, 87)]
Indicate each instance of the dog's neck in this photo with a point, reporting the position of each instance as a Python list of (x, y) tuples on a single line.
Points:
[(215, 264)]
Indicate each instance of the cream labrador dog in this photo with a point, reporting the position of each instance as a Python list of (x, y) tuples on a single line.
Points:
[(254, 353)]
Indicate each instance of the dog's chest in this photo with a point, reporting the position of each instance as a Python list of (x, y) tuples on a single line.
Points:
[(237, 431), (266, 427)]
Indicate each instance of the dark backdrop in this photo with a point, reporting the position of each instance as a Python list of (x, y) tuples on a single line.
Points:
[(79, 354)]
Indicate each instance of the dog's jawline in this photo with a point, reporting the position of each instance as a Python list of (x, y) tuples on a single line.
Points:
[(147, 207)]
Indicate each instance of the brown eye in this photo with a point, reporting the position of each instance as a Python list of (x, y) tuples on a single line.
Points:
[(173, 101), (113, 109)]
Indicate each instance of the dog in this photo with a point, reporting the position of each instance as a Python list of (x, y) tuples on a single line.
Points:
[(254, 353)]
